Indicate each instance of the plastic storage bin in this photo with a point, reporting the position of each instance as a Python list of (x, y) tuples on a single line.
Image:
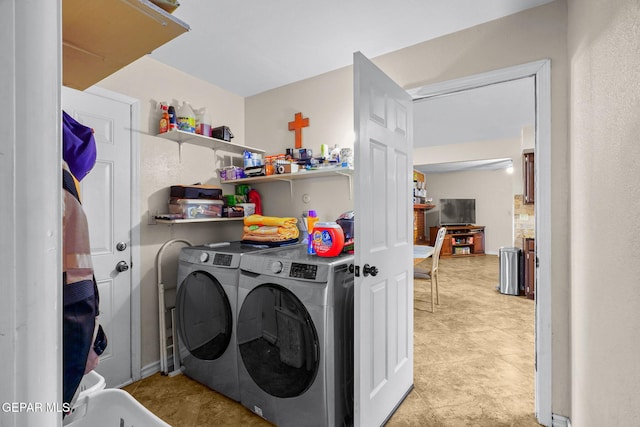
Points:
[(112, 408), (196, 208)]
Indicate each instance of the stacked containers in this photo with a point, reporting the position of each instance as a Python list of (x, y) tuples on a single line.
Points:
[(196, 201)]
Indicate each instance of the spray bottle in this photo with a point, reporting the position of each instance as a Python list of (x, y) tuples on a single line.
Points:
[(164, 120)]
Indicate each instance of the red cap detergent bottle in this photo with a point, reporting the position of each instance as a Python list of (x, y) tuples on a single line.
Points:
[(328, 239)]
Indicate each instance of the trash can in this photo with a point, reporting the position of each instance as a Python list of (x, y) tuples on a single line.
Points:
[(510, 271)]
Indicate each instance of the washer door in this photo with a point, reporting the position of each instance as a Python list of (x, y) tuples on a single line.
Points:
[(203, 316), (278, 342)]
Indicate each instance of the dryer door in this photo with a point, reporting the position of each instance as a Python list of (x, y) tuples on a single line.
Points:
[(203, 316), (278, 341)]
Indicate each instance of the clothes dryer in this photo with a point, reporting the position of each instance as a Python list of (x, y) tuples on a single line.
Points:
[(295, 337), (206, 313)]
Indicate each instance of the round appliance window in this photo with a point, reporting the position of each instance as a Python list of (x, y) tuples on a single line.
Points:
[(203, 316), (278, 342)]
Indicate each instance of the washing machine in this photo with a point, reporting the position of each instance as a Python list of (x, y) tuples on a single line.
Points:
[(295, 337), (206, 313)]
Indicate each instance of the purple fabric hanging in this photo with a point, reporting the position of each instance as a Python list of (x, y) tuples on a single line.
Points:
[(78, 146)]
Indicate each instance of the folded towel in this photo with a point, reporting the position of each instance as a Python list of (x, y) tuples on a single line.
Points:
[(269, 229), (270, 220)]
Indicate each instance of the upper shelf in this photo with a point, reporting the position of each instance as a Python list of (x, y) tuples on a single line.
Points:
[(99, 37), (205, 141)]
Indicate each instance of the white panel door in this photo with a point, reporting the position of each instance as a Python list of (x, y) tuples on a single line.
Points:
[(106, 198), (384, 300)]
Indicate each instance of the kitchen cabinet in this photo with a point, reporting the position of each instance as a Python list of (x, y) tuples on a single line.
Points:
[(529, 178), (419, 228), (99, 37), (529, 246)]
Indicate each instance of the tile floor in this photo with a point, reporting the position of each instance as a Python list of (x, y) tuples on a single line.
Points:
[(473, 361)]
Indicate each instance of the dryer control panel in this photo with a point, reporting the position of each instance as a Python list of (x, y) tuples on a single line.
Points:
[(222, 259), (303, 271)]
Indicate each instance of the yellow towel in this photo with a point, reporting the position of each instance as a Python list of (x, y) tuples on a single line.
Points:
[(269, 229), (270, 220)]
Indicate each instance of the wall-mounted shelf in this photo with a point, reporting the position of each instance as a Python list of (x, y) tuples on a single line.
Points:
[(195, 220), (302, 174), (99, 37), (181, 137)]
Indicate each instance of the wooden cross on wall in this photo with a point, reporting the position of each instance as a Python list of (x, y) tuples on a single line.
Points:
[(296, 125)]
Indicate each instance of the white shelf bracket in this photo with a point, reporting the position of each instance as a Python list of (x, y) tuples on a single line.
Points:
[(290, 181), (350, 182)]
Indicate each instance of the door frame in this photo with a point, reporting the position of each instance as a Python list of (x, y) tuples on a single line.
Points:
[(31, 244), (541, 71), (134, 225)]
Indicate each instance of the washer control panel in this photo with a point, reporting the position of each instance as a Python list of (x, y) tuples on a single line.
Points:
[(303, 271)]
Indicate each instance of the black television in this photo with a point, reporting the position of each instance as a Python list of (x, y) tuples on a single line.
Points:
[(457, 211)]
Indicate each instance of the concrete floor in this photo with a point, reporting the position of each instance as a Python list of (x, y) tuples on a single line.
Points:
[(473, 361)]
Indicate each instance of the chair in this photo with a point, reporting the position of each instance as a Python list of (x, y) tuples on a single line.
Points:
[(432, 274)]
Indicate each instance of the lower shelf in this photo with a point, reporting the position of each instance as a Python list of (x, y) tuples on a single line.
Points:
[(160, 220)]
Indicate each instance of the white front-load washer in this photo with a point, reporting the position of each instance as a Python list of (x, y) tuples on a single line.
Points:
[(206, 313), (295, 337)]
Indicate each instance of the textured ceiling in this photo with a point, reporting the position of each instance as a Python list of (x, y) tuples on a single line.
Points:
[(250, 46), (488, 113)]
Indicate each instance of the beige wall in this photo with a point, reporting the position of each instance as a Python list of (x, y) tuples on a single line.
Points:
[(493, 191), (328, 103), (161, 166), (604, 55), (525, 37)]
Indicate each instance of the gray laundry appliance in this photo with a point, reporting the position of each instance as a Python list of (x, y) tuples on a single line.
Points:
[(295, 337), (206, 313)]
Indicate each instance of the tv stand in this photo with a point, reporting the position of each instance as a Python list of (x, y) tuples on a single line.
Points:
[(460, 240)]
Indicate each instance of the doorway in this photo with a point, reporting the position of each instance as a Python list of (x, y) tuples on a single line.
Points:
[(540, 73)]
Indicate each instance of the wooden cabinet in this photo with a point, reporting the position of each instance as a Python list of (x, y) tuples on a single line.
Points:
[(529, 178), (419, 228), (529, 255), (460, 240), (99, 37)]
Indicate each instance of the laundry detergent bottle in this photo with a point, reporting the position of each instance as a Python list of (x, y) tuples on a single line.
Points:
[(312, 219), (186, 119), (328, 239)]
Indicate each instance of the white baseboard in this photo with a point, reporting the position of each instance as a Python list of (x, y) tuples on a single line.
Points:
[(560, 421), (150, 369), (154, 368)]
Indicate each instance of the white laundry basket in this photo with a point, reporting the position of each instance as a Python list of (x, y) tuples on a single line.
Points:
[(91, 383), (111, 407)]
